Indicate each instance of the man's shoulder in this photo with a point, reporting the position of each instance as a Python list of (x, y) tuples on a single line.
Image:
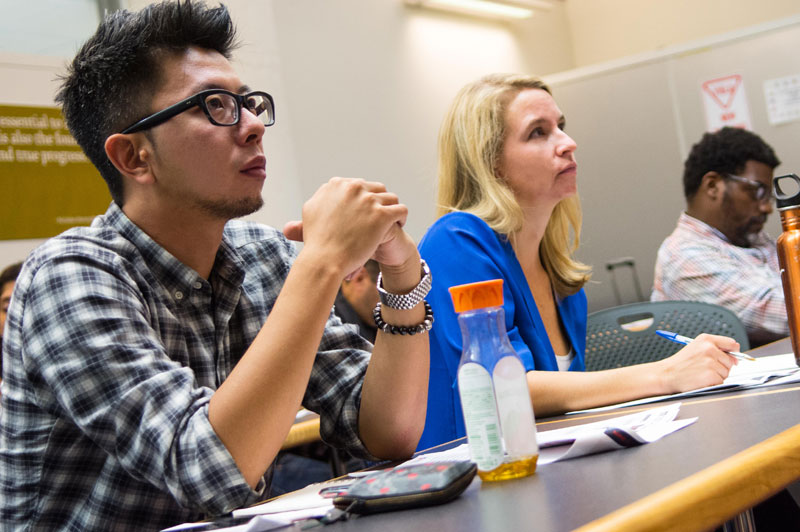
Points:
[(97, 242), (251, 238), (76, 255), (691, 234), (681, 248)]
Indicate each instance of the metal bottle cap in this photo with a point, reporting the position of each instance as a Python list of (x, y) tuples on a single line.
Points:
[(791, 197)]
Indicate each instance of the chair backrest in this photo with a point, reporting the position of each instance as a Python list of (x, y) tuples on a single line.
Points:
[(626, 335)]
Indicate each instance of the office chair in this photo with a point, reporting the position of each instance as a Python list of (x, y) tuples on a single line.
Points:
[(625, 335)]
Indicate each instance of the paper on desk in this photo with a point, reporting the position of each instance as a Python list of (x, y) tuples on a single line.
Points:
[(611, 434), (259, 523), (764, 371), (771, 365), (571, 442), (315, 500)]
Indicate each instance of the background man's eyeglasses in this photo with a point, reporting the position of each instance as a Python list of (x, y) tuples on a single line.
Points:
[(220, 106), (762, 192)]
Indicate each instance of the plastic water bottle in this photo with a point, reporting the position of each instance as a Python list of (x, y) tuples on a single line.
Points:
[(501, 430), (787, 197)]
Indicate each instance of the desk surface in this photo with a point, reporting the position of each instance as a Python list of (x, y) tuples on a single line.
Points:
[(744, 447), (302, 432)]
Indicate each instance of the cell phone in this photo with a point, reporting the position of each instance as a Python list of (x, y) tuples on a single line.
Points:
[(407, 487)]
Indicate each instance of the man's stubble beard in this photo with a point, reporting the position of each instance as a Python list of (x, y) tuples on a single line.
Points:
[(230, 209)]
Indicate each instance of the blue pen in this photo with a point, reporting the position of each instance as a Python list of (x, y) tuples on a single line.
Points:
[(675, 337)]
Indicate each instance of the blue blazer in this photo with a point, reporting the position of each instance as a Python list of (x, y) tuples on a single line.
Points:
[(461, 248)]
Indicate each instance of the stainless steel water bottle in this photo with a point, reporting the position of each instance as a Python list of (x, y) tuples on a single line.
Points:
[(787, 197)]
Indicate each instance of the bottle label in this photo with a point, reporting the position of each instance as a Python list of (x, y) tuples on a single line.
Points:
[(514, 406), (480, 416)]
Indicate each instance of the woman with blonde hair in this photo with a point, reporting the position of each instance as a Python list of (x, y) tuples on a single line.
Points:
[(509, 210)]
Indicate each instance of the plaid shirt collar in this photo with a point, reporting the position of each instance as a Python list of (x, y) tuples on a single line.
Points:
[(172, 273)]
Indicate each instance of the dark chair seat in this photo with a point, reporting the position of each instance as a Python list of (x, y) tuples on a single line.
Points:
[(626, 335)]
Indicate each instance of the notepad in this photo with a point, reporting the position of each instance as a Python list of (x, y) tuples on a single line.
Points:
[(764, 371), (771, 365)]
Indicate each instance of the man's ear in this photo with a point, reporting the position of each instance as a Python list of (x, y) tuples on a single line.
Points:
[(356, 276), (712, 185), (361, 275), (130, 154)]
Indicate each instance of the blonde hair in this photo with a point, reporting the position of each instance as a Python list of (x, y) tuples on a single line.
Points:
[(470, 144)]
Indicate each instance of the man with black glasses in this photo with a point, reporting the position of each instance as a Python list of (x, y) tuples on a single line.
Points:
[(157, 358), (719, 252)]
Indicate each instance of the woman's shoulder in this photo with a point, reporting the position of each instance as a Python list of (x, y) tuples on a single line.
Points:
[(455, 223), (460, 234)]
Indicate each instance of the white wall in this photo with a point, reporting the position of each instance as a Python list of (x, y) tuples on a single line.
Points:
[(603, 30), (368, 81)]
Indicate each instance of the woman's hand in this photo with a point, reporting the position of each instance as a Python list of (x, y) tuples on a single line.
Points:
[(703, 362)]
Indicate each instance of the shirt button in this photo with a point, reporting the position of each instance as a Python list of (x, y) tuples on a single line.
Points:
[(198, 285), (178, 295)]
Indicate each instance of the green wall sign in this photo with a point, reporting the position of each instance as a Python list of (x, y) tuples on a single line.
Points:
[(47, 184)]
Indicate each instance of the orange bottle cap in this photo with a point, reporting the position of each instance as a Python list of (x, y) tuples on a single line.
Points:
[(477, 295)]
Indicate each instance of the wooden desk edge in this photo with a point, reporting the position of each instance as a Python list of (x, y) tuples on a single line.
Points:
[(302, 432), (715, 494)]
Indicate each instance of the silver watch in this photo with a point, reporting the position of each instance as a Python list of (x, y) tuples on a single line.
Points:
[(411, 299)]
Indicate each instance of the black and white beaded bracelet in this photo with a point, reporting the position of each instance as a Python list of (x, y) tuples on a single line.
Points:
[(425, 326)]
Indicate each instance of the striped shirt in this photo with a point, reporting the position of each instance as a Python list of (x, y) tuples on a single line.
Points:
[(697, 263), (112, 351)]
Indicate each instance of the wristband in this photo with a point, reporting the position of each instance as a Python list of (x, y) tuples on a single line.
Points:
[(425, 326), (411, 299)]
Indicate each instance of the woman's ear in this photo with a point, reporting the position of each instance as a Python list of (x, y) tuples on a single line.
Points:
[(130, 154)]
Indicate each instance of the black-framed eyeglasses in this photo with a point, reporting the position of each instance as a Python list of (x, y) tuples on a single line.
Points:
[(763, 193), (220, 106)]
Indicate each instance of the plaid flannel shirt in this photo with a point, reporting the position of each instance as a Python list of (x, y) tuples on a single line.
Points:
[(697, 263), (111, 353)]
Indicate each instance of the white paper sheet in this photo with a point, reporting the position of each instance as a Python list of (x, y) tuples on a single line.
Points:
[(765, 371), (771, 365), (611, 434), (312, 501), (260, 523), (589, 438)]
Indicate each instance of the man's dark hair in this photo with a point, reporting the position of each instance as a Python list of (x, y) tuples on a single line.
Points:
[(110, 83), (10, 274), (726, 152)]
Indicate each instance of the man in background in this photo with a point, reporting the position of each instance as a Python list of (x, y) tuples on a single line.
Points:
[(719, 252), (357, 299)]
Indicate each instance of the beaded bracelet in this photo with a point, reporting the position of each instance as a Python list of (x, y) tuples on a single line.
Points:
[(425, 326)]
